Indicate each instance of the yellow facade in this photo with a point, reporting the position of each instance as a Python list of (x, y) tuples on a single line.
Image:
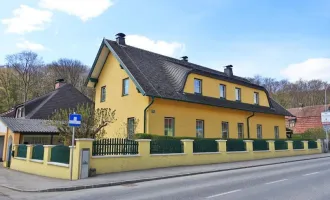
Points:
[(131, 105), (186, 114), (210, 88)]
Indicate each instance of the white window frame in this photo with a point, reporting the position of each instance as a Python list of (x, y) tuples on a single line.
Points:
[(200, 133), (225, 130), (125, 86), (170, 126), (277, 132), (259, 131), (256, 98), (198, 88), (222, 88), (238, 94), (240, 134)]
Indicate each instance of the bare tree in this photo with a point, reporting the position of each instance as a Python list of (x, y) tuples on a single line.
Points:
[(26, 64)]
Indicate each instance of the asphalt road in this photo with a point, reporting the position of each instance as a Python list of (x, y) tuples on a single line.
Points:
[(299, 180)]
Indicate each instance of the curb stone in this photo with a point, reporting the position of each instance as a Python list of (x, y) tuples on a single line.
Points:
[(74, 188)]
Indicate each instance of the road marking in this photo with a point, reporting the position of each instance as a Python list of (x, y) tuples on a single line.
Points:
[(311, 173), (277, 181), (223, 193)]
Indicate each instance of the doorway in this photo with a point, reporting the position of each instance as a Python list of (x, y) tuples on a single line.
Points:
[(9, 149)]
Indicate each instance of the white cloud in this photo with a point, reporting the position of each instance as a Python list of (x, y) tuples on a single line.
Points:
[(27, 45), (27, 19), (84, 9), (314, 68), (161, 47)]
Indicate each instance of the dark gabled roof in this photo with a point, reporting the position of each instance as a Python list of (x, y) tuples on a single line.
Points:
[(164, 77), (65, 97), (21, 125)]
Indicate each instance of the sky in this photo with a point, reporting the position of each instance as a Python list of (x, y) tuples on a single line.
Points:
[(282, 39)]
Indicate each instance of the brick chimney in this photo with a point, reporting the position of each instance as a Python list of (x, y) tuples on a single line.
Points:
[(59, 83)]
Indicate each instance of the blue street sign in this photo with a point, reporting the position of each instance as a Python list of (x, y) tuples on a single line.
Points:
[(74, 120)]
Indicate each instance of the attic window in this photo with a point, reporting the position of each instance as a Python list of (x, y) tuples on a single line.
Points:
[(20, 112), (198, 86)]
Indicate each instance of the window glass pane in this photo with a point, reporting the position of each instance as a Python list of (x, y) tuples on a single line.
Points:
[(222, 91), (276, 131), (103, 93), (259, 131), (256, 98), (130, 127), (125, 86), (240, 129), (225, 131), (169, 126), (238, 94), (198, 86), (200, 128)]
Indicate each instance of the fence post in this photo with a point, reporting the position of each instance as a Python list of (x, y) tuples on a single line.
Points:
[(249, 145), (290, 145), (188, 146), (47, 153), (319, 145), (81, 143), (305, 145), (222, 146), (29, 151), (15, 149), (271, 145), (144, 147)]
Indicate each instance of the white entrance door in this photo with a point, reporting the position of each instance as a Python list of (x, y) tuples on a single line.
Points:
[(84, 163)]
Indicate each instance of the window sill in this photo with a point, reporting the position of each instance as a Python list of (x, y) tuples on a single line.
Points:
[(123, 95)]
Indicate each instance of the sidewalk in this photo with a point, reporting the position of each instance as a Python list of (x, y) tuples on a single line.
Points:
[(31, 183)]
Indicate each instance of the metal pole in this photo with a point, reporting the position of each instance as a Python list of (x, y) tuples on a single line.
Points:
[(325, 110), (71, 154)]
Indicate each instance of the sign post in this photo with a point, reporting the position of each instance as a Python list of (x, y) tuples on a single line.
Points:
[(74, 121), (325, 118)]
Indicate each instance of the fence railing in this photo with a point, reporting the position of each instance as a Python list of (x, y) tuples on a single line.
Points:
[(312, 145), (280, 145), (22, 150), (165, 146), (236, 145), (38, 152), (298, 144), (60, 154), (205, 145), (260, 145), (114, 146)]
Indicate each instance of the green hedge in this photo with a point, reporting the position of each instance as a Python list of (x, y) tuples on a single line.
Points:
[(236, 145), (260, 145), (38, 152), (281, 145), (298, 144), (166, 146), (22, 150), (312, 144), (205, 145)]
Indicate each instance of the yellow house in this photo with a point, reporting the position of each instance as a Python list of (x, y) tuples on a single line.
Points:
[(156, 94)]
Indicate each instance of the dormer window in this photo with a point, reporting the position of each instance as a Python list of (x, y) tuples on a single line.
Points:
[(198, 86), (20, 112)]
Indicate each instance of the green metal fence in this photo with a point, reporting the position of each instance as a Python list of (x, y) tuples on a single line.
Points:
[(165, 146), (281, 145), (205, 145), (21, 151), (236, 145), (60, 154), (260, 145), (114, 146), (298, 144), (312, 145), (38, 152)]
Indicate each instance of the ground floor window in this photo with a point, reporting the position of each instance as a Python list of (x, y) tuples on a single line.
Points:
[(259, 131), (276, 132), (200, 128), (225, 130), (130, 127), (240, 130), (169, 126)]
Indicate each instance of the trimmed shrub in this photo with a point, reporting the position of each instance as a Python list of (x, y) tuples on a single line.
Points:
[(205, 145), (260, 145), (236, 145), (281, 145)]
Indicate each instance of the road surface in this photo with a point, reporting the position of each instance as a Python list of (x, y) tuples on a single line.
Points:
[(304, 180)]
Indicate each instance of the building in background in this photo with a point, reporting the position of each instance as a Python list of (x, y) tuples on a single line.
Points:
[(175, 97)]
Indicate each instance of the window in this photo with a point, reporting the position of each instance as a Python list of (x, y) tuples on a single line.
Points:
[(240, 130), (259, 131), (169, 126), (276, 132), (20, 112), (198, 86), (238, 94), (103, 93), (199, 128), (130, 127), (125, 87), (225, 130), (256, 98), (292, 122), (222, 91)]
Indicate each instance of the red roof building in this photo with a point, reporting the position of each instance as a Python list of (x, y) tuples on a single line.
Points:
[(305, 118)]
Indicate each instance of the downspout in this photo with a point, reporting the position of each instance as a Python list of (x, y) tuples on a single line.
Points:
[(145, 114), (248, 124)]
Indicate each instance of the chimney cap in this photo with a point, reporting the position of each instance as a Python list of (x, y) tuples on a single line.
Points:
[(229, 66), (185, 58), (120, 35)]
